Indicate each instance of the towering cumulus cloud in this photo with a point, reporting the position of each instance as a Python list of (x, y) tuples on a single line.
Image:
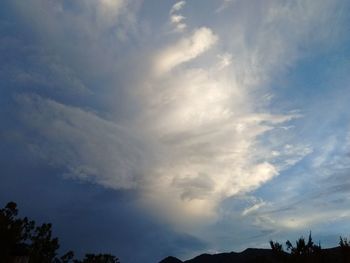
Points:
[(183, 119)]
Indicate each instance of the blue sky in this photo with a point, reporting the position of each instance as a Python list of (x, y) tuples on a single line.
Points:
[(176, 127)]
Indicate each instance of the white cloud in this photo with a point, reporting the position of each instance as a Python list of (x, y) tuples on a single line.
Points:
[(176, 19), (177, 6), (178, 22), (256, 206), (185, 50), (225, 60)]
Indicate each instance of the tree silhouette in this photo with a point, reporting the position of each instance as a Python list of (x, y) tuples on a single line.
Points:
[(345, 248), (300, 252), (277, 250), (14, 232), (20, 237), (43, 247), (66, 258)]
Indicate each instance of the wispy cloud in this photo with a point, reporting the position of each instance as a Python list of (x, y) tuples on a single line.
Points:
[(225, 4), (185, 50), (90, 147), (176, 19)]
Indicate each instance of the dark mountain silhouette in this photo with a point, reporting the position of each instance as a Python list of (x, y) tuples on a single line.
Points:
[(302, 251), (256, 255), (248, 255), (171, 260)]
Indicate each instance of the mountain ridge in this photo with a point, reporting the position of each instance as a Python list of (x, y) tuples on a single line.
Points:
[(263, 255)]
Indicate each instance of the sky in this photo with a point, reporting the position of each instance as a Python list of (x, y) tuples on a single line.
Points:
[(154, 128)]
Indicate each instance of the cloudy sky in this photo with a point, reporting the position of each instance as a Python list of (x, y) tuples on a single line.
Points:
[(154, 128)]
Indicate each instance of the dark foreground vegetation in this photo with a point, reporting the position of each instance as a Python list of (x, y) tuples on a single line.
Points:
[(22, 241)]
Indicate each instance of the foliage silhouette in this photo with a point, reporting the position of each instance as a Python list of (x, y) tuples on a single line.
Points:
[(277, 250), (345, 248), (21, 239), (302, 251)]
